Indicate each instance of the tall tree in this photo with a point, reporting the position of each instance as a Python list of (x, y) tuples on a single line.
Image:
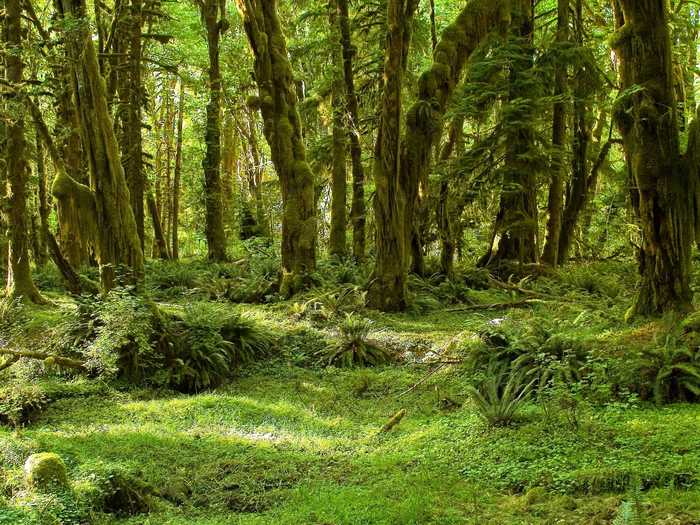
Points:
[(339, 184), (277, 101), (177, 174), (214, 17), (105, 206), (19, 277), (358, 208), (663, 190), (515, 230), (387, 290), (550, 254)]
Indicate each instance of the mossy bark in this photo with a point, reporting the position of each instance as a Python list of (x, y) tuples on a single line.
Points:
[(555, 202), (358, 210), (277, 101), (442, 213), (424, 120), (213, 14), (177, 174), (118, 246), (388, 287), (516, 228), (43, 207), (337, 245), (130, 86), (648, 122), (19, 277)]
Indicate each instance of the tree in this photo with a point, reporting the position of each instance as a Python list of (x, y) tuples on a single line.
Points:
[(663, 188), (104, 207), (214, 17), (358, 208), (339, 185), (19, 277), (515, 229), (387, 290), (550, 253), (277, 102)]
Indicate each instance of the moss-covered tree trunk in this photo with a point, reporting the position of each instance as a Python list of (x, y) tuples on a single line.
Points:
[(424, 120), (214, 17), (229, 158), (19, 278), (387, 290), (442, 212), (647, 119), (177, 174), (358, 209), (555, 202), (337, 245), (277, 101), (106, 208), (516, 226), (43, 207), (130, 86)]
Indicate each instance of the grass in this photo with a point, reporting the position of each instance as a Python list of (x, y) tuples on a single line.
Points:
[(285, 444)]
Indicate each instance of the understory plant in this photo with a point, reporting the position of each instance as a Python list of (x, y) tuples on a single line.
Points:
[(354, 346), (500, 394)]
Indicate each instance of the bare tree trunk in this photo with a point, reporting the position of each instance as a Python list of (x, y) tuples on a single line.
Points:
[(277, 101), (19, 278)]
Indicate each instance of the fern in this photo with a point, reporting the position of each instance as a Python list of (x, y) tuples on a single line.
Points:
[(499, 397)]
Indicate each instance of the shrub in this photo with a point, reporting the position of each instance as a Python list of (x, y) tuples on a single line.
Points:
[(20, 405), (500, 395), (671, 372), (208, 343), (354, 347)]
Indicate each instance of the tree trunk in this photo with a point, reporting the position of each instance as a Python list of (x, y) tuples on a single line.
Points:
[(43, 204), (387, 291), (358, 210), (130, 87), (159, 238), (177, 173), (555, 204), (648, 123), (228, 165), (339, 183), (118, 246), (277, 101), (424, 121), (444, 224), (213, 15), (19, 277), (516, 223)]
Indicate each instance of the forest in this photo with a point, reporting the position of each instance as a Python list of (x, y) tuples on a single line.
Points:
[(348, 262)]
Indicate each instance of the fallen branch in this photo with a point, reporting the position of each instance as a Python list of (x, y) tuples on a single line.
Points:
[(7, 364), (496, 306), (64, 362), (395, 420), (424, 379)]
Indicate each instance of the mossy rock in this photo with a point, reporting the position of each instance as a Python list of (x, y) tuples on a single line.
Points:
[(45, 472)]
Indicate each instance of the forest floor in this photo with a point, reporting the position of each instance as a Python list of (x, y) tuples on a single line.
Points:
[(288, 442)]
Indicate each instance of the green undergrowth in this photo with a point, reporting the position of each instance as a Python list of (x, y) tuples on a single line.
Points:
[(607, 423)]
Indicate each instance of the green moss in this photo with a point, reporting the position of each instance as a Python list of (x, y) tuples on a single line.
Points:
[(45, 471)]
